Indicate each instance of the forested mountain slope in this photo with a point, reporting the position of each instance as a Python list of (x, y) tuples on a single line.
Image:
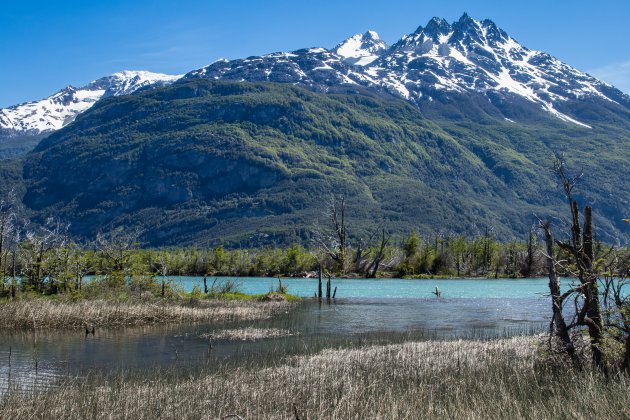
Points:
[(205, 161)]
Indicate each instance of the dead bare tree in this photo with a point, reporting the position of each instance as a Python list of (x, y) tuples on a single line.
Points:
[(38, 242), (557, 327), (162, 264), (116, 248), (359, 255), (528, 264), (581, 249), (582, 265), (332, 240), (379, 255), (616, 302)]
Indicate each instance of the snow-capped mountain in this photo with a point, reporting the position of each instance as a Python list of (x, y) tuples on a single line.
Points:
[(316, 68), (441, 59), (59, 109), (474, 56), (361, 49)]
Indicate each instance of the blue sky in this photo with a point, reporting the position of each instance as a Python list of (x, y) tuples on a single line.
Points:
[(46, 45)]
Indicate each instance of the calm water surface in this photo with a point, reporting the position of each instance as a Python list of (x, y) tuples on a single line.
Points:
[(387, 288), (378, 310)]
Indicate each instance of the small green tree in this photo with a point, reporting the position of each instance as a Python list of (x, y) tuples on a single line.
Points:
[(410, 247)]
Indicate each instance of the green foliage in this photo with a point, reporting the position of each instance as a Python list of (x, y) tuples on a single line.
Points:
[(411, 244), (225, 287), (196, 292)]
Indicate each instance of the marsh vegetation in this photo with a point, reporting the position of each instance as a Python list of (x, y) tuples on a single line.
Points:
[(470, 379)]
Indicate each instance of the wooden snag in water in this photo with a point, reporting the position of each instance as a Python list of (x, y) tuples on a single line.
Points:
[(209, 351), (328, 288), (319, 288), (89, 331)]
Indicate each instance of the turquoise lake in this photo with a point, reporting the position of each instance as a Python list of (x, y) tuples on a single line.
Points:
[(387, 288)]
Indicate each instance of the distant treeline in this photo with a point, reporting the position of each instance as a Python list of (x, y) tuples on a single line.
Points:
[(45, 259), (50, 263)]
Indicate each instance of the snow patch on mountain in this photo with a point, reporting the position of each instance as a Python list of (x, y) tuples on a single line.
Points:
[(51, 113), (61, 108), (361, 49)]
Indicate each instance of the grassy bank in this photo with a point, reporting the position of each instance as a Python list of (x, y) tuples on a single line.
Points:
[(106, 302), (457, 380), (48, 314)]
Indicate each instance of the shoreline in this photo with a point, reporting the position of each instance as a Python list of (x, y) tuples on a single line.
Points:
[(358, 277)]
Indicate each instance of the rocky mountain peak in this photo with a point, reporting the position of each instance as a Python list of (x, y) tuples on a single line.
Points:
[(361, 49), (436, 29), (467, 30)]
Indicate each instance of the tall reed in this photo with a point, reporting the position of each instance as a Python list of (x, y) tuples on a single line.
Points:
[(472, 379)]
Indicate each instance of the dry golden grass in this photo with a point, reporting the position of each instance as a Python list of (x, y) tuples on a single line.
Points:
[(501, 379), (248, 334), (44, 314)]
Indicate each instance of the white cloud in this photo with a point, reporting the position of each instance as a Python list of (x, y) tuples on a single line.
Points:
[(617, 74)]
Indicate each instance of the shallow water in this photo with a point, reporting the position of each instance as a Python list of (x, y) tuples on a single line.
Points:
[(365, 311)]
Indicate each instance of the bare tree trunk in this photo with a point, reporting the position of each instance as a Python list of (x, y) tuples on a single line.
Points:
[(358, 257), (594, 322), (529, 260), (378, 257), (38, 268), (339, 221), (319, 287), (328, 288), (14, 274), (558, 326)]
